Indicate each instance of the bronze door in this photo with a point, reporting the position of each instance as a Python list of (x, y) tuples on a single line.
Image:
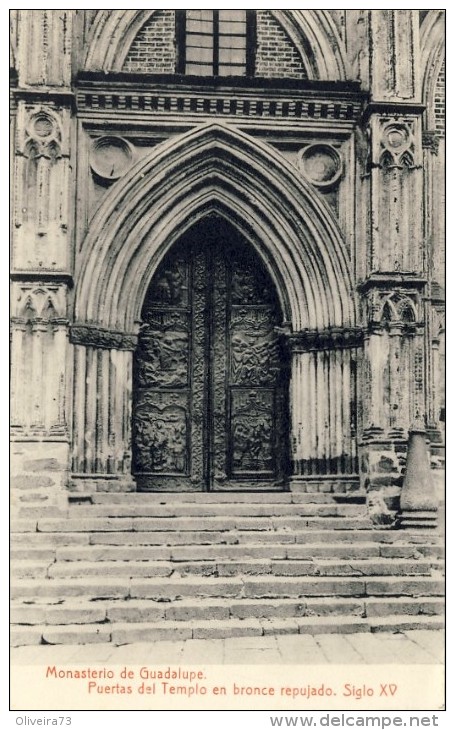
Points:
[(210, 374)]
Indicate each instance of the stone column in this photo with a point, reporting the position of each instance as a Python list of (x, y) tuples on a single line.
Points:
[(39, 352), (102, 392), (434, 231), (17, 374), (374, 354), (322, 393), (57, 381)]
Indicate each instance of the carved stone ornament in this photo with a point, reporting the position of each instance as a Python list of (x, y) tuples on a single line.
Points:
[(38, 302), (43, 133), (393, 306), (330, 339), (397, 145), (111, 157), (91, 336), (321, 165), (430, 141)]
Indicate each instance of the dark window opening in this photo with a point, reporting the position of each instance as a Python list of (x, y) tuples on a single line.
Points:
[(215, 42)]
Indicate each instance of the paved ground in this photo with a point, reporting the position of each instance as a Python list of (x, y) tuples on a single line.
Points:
[(409, 647)]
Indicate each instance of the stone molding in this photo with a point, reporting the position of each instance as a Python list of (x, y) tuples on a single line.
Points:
[(96, 97), (432, 53), (234, 177)]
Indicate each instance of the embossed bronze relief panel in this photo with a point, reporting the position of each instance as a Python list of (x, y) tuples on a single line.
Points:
[(210, 375)]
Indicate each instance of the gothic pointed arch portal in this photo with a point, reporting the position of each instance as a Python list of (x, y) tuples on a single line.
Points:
[(210, 374), (294, 240)]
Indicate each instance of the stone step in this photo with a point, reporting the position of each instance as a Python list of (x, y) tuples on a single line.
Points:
[(401, 605), (316, 492), (276, 587), (76, 611), (30, 568), (40, 552), (396, 542), (201, 545), (126, 633), (47, 539), (334, 507), (33, 591), (247, 537), (70, 611), (220, 568), (199, 524), (357, 551), (263, 586), (214, 509)]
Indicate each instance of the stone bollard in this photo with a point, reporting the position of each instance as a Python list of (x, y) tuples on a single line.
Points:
[(418, 502)]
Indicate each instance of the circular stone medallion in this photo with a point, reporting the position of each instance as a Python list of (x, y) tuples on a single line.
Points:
[(110, 157), (320, 164), (396, 137), (42, 126)]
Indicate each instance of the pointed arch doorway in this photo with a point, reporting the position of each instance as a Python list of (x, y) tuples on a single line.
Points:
[(210, 383)]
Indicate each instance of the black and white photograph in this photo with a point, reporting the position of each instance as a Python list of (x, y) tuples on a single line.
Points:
[(227, 359)]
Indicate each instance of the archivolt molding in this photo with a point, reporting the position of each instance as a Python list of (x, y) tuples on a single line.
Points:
[(313, 33), (110, 38), (214, 169), (316, 31), (432, 54)]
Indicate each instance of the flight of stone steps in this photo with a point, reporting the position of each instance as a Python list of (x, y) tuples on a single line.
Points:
[(149, 567)]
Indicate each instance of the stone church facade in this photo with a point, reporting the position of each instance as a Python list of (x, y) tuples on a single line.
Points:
[(227, 254)]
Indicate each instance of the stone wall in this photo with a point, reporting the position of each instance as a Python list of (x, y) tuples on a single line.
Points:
[(73, 391), (39, 476), (439, 101), (153, 49), (275, 54)]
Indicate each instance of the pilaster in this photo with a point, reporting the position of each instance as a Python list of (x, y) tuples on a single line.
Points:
[(41, 256), (40, 404), (392, 278)]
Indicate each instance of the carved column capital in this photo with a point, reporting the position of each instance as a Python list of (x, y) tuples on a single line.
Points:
[(430, 141), (93, 336), (334, 338)]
